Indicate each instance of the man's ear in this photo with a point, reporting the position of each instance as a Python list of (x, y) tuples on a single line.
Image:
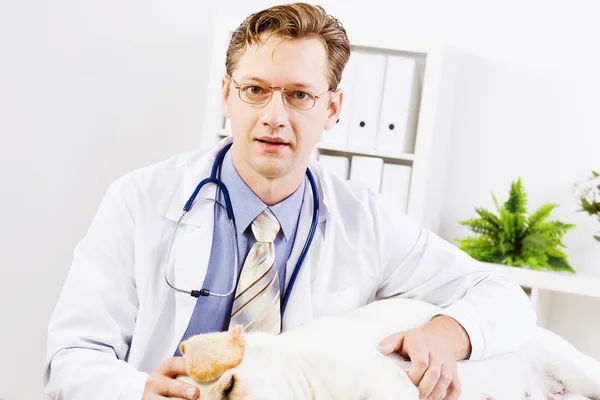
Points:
[(225, 93), (335, 107), (209, 355)]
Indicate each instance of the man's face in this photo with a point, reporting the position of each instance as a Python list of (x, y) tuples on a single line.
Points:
[(299, 65)]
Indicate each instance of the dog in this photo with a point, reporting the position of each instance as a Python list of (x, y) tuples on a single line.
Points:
[(337, 358)]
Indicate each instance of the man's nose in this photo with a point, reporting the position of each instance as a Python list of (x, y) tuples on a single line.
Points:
[(275, 112)]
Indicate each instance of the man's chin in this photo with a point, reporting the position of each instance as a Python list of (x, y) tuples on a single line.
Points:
[(271, 170)]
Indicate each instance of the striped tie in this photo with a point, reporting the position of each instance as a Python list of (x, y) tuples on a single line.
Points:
[(256, 305)]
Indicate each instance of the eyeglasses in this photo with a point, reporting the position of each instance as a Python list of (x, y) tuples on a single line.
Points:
[(259, 95)]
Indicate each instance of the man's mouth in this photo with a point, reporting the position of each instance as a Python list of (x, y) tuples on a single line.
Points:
[(276, 141)]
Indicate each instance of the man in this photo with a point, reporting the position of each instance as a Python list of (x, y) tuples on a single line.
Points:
[(117, 323)]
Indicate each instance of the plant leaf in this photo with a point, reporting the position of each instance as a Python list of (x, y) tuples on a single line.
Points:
[(590, 208), (498, 208), (489, 217), (509, 229), (559, 264), (479, 225), (540, 215), (536, 242), (475, 243), (557, 253), (517, 200)]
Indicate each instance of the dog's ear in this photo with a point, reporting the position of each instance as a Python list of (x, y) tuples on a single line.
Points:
[(209, 355), (225, 386)]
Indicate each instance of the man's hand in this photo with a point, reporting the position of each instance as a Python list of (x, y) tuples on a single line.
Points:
[(433, 350), (162, 382)]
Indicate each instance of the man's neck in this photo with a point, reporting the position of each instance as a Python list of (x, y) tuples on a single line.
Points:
[(271, 191)]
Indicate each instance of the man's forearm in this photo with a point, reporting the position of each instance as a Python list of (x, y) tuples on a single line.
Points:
[(497, 316)]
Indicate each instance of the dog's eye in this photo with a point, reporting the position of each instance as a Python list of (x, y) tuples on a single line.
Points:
[(229, 388)]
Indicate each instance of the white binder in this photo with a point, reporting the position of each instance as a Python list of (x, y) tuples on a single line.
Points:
[(395, 185), (370, 70), (367, 170), (339, 166), (399, 107), (338, 135)]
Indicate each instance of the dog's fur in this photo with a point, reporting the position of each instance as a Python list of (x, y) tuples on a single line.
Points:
[(338, 358)]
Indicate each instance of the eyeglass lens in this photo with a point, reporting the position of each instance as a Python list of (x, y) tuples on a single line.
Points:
[(294, 98)]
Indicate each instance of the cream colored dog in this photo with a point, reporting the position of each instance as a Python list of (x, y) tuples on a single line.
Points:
[(338, 358)]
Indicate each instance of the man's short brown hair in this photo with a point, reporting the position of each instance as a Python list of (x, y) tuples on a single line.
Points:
[(294, 21)]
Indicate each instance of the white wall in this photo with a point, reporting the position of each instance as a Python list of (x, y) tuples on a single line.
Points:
[(91, 90)]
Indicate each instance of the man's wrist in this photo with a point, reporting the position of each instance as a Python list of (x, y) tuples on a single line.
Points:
[(461, 343)]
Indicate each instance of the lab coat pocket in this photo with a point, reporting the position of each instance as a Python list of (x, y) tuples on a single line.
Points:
[(335, 303)]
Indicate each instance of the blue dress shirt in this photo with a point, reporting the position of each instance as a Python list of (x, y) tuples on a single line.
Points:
[(212, 314)]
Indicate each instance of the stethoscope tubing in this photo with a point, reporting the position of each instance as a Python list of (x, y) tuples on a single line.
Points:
[(307, 244)]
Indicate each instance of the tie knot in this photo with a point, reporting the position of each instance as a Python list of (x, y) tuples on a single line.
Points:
[(265, 227)]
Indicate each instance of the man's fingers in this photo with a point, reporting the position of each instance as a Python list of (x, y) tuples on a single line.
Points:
[(429, 378), (391, 343), (435, 382), (419, 363), (172, 367), (172, 388), (454, 389), (162, 382)]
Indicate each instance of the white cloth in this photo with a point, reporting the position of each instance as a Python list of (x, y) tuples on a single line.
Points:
[(116, 306)]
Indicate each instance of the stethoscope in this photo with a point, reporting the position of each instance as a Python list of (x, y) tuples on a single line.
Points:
[(229, 209)]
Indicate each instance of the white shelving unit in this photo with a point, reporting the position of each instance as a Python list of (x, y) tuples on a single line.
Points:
[(326, 147), (436, 74), (540, 285)]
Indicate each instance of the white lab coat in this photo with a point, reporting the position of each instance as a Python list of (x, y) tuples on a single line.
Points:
[(116, 318)]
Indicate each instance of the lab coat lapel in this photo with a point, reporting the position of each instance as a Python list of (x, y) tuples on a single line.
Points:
[(190, 254), (189, 263), (299, 308)]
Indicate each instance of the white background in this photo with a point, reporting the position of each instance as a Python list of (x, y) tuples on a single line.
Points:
[(92, 90)]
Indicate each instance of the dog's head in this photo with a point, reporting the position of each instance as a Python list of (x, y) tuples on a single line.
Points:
[(224, 366)]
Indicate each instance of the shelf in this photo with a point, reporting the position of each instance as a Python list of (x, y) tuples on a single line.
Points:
[(580, 284), (353, 150), (363, 152)]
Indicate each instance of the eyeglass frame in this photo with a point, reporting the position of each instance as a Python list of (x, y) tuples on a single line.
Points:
[(272, 89)]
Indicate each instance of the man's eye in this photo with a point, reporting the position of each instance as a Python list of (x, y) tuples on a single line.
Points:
[(255, 90), (300, 95)]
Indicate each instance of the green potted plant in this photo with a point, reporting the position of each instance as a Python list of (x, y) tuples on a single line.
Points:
[(588, 194), (512, 238)]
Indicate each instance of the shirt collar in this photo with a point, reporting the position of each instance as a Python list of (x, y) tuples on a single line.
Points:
[(247, 205)]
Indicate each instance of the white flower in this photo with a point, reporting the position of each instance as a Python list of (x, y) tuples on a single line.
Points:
[(581, 189), (593, 195), (588, 189)]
